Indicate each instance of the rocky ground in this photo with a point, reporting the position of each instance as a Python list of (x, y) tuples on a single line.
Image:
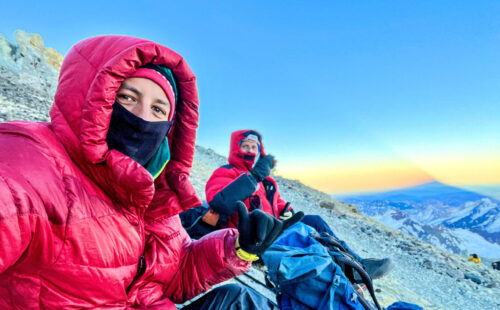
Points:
[(17, 104), (423, 274), (28, 77)]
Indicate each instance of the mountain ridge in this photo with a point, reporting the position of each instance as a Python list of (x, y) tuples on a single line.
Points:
[(435, 212), (420, 192)]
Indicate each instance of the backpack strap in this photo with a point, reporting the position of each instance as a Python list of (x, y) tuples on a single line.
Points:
[(347, 260), (348, 264)]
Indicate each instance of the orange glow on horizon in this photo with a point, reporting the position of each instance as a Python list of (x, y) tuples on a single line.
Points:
[(366, 177), (465, 171), (360, 178)]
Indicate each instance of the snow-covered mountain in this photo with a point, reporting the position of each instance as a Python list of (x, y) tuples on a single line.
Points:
[(446, 216), (434, 192), (482, 217), (456, 240), (437, 235), (483, 214)]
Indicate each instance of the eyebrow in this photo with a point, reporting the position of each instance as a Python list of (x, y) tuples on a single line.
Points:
[(131, 88), (162, 102), (138, 93)]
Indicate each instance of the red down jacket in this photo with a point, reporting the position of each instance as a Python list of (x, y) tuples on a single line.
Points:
[(234, 182), (75, 217)]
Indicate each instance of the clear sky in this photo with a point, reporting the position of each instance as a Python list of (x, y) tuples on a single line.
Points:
[(349, 95)]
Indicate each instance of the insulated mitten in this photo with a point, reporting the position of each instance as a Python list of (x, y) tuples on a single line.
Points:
[(263, 168), (239, 189), (258, 230)]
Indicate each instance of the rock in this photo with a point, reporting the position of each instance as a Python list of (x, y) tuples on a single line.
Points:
[(454, 273), (404, 245), (376, 230), (7, 49), (473, 278), (25, 41), (30, 63), (391, 233), (427, 264), (327, 205), (491, 285), (353, 208)]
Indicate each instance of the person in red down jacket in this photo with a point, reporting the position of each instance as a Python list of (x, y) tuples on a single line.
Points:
[(247, 178), (89, 202)]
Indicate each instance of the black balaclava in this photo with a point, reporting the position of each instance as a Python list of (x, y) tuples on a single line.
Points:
[(133, 136)]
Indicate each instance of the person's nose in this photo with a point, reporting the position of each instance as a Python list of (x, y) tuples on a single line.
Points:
[(142, 111)]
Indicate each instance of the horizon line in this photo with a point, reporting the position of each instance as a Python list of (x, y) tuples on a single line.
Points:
[(461, 186)]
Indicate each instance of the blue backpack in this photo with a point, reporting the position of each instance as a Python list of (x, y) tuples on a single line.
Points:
[(309, 274)]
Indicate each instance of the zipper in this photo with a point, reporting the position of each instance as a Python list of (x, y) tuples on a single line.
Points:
[(141, 268), (141, 265)]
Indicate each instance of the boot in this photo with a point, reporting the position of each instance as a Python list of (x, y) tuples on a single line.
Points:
[(377, 268)]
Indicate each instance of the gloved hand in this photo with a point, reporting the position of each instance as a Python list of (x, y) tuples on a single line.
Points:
[(263, 168), (224, 202), (286, 215), (258, 230), (287, 212)]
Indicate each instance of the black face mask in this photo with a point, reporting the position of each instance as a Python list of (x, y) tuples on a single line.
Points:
[(133, 136)]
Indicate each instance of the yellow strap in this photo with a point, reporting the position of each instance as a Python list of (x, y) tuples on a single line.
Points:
[(286, 215), (244, 255), (249, 257)]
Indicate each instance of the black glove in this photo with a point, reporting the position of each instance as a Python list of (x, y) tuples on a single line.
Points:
[(224, 202), (258, 230), (263, 168)]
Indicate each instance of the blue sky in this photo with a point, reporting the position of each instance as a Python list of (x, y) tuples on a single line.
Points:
[(346, 94)]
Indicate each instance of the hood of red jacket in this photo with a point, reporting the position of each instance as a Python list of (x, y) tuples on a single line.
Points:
[(90, 75), (239, 159)]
